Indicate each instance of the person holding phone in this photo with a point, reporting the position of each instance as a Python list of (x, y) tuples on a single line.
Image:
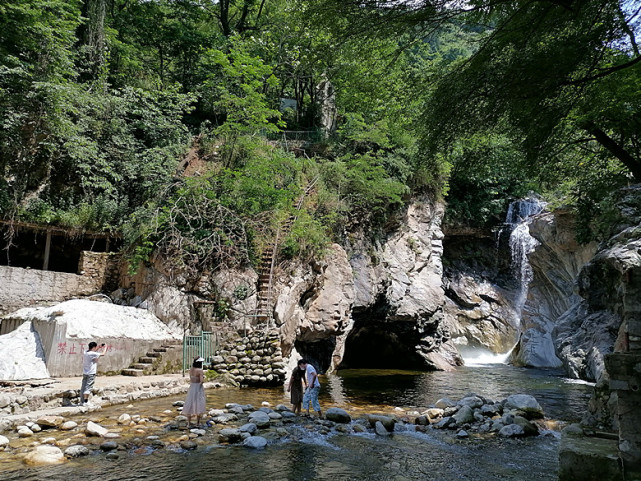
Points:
[(89, 368)]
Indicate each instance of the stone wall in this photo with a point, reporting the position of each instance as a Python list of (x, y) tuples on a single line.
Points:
[(102, 267), (25, 287), (97, 271), (256, 360)]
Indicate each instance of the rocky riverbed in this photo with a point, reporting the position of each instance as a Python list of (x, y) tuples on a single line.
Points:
[(56, 439)]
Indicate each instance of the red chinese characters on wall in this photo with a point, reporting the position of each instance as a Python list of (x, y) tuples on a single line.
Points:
[(71, 348)]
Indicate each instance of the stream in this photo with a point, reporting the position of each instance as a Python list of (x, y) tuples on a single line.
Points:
[(308, 455)]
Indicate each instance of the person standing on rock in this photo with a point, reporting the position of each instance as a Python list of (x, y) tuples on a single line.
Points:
[(195, 402), (295, 387), (313, 387), (89, 368)]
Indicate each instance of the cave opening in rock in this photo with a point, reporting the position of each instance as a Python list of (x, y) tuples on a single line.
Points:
[(381, 345), (318, 353)]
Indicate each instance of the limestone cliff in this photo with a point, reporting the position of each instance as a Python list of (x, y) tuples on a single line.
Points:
[(556, 262)]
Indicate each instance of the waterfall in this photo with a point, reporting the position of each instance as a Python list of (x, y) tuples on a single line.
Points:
[(522, 244)]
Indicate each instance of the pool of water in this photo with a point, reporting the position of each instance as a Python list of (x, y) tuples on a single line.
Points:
[(306, 455)]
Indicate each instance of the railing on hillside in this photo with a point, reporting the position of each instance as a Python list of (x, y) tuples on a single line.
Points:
[(203, 345)]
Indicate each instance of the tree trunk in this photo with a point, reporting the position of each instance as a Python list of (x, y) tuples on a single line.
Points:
[(633, 165)]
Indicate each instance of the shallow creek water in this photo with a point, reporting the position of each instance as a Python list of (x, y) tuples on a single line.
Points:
[(307, 455)]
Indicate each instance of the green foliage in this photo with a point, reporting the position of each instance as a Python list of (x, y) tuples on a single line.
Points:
[(486, 175)]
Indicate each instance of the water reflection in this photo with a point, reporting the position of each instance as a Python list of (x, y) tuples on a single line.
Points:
[(304, 455)]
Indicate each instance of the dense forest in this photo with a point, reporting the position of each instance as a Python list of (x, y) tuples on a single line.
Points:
[(194, 126)]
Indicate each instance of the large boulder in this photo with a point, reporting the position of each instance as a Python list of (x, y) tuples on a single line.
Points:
[(338, 415), (464, 415), (255, 442), (44, 455), (260, 419), (525, 404)]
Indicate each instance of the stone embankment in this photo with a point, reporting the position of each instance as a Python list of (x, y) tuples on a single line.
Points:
[(257, 428), (23, 403), (255, 360)]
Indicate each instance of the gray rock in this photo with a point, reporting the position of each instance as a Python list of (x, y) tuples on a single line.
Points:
[(255, 442), (422, 421), (359, 428), (250, 428), (109, 445), (380, 429), (512, 431), (491, 409), (188, 445), (529, 429), (288, 414), (68, 425), (386, 421), (229, 435), (338, 415), (526, 404), (274, 415), (282, 407), (261, 419), (198, 432), (446, 422), (76, 450), (94, 429), (462, 434), (4, 441), (471, 401), (464, 415)]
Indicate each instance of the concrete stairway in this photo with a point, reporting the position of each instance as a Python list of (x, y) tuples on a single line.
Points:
[(160, 360)]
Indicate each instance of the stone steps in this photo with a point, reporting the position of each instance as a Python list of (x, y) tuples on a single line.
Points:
[(143, 366), (154, 354), (133, 372), (146, 360)]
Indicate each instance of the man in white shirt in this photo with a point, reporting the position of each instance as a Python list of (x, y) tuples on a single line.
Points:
[(313, 386), (89, 368)]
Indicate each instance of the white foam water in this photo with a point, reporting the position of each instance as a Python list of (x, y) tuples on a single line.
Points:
[(482, 357)]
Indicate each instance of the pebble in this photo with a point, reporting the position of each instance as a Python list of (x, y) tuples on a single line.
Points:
[(112, 456)]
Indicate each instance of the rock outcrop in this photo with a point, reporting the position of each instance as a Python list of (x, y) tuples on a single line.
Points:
[(556, 263)]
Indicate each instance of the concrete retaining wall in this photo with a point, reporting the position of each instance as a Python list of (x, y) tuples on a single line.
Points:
[(63, 356)]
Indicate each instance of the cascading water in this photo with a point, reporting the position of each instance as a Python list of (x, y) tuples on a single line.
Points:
[(522, 244)]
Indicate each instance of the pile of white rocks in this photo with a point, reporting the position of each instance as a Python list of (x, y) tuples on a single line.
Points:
[(511, 417), (255, 360)]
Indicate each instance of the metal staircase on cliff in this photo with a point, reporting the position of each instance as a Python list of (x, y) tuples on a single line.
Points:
[(264, 308)]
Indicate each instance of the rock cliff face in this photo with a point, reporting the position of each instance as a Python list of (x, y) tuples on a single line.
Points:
[(399, 297), (556, 263), (480, 292), (372, 304), (610, 294), (369, 304)]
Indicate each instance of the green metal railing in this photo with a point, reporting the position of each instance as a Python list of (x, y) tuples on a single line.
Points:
[(203, 345)]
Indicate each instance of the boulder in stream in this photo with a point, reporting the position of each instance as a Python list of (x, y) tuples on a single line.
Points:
[(338, 415), (525, 404), (44, 455), (255, 442)]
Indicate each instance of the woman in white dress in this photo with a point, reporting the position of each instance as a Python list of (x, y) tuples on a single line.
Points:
[(195, 402)]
